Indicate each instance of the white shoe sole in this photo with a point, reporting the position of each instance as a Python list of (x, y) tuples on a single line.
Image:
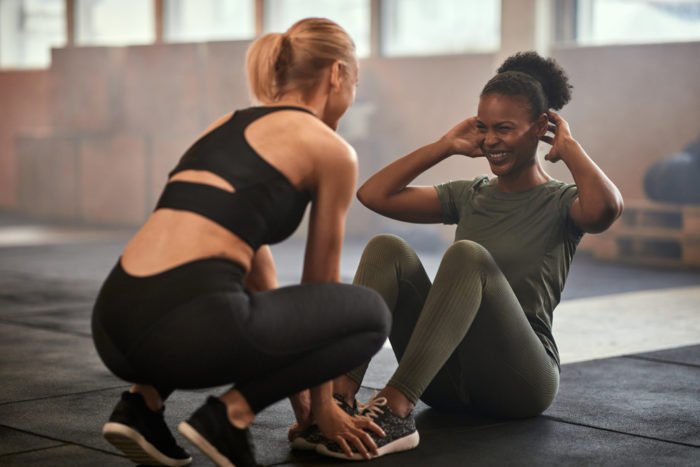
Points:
[(300, 444), (203, 445), (401, 444), (136, 447)]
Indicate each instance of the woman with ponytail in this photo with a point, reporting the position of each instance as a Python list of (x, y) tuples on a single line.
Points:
[(193, 301), (479, 337)]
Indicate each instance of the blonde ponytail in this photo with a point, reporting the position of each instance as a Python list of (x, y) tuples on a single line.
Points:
[(261, 64), (278, 63)]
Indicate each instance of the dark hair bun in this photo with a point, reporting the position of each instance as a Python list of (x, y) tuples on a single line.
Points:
[(551, 76)]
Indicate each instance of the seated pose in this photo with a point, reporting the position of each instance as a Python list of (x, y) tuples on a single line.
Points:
[(193, 300), (479, 337)]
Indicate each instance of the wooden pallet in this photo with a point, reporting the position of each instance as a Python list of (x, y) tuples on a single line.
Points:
[(653, 234)]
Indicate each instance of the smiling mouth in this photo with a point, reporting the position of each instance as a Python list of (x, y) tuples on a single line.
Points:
[(497, 157)]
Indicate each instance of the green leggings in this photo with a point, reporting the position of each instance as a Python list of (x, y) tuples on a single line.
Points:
[(462, 342)]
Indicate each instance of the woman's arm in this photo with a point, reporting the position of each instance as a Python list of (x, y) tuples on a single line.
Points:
[(388, 191), (332, 184), (263, 276), (599, 202)]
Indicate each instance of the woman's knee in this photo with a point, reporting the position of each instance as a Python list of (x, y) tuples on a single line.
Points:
[(388, 248), (468, 253), (375, 314)]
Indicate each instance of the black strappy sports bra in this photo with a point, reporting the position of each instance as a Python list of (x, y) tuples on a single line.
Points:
[(265, 207)]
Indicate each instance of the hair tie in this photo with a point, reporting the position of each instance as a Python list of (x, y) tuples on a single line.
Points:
[(284, 58)]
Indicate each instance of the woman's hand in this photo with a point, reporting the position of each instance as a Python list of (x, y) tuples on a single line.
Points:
[(338, 426), (562, 139), (301, 403), (465, 139), (599, 202), (297, 430)]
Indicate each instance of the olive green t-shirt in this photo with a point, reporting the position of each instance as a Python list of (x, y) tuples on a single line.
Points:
[(530, 236)]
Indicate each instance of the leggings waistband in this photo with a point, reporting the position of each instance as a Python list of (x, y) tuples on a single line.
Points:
[(176, 285)]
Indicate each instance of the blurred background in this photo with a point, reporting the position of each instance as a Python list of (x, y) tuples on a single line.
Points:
[(99, 99)]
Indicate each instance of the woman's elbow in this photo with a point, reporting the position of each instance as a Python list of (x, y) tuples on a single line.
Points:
[(366, 197), (606, 217), (362, 195), (614, 209)]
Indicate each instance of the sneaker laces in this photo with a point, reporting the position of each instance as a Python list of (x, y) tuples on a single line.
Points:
[(373, 408), (340, 401)]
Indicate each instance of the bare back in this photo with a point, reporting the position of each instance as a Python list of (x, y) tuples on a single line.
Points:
[(173, 237)]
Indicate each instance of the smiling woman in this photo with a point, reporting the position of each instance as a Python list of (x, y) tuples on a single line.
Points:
[(512, 117), (479, 337)]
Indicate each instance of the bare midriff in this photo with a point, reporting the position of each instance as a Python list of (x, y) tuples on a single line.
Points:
[(170, 238)]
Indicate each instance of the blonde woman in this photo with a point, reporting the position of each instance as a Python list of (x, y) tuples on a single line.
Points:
[(193, 301)]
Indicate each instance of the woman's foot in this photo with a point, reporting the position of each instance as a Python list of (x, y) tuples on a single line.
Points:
[(211, 431), (401, 432), (142, 435), (308, 440)]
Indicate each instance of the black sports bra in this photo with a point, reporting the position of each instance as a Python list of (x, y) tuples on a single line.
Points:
[(265, 207)]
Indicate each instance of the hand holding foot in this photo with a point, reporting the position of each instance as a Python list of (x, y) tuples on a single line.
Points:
[(338, 426)]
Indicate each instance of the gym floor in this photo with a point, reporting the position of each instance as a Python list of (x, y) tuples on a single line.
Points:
[(629, 340)]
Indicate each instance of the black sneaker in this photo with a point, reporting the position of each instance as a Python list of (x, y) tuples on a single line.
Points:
[(210, 430), (309, 439), (142, 434), (401, 433)]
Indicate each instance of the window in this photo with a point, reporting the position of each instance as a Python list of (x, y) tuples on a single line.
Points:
[(203, 20), (637, 21), (28, 30), (420, 27), (114, 22), (353, 15)]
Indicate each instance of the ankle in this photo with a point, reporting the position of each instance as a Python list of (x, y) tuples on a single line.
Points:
[(397, 401), (238, 410), (150, 396), (347, 388)]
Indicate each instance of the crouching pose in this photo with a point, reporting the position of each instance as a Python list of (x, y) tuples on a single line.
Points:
[(193, 300)]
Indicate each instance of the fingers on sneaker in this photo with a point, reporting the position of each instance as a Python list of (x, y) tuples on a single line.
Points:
[(343, 445), (354, 438), (368, 424), (367, 441)]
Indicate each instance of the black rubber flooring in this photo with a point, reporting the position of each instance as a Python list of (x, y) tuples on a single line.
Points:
[(55, 394)]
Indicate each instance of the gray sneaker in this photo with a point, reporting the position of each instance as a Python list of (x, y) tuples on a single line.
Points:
[(401, 433), (312, 437)]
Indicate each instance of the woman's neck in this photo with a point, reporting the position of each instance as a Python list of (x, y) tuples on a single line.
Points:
[(523, 180), (315, 102)]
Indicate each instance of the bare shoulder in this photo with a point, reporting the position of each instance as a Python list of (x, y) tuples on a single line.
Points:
[(326, 147)]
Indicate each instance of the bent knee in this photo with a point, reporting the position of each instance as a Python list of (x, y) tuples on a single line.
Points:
[(387, 246), (467, 252), (375, 314)]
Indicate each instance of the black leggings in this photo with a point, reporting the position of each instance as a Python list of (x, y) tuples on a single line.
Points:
[(195, 326)]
